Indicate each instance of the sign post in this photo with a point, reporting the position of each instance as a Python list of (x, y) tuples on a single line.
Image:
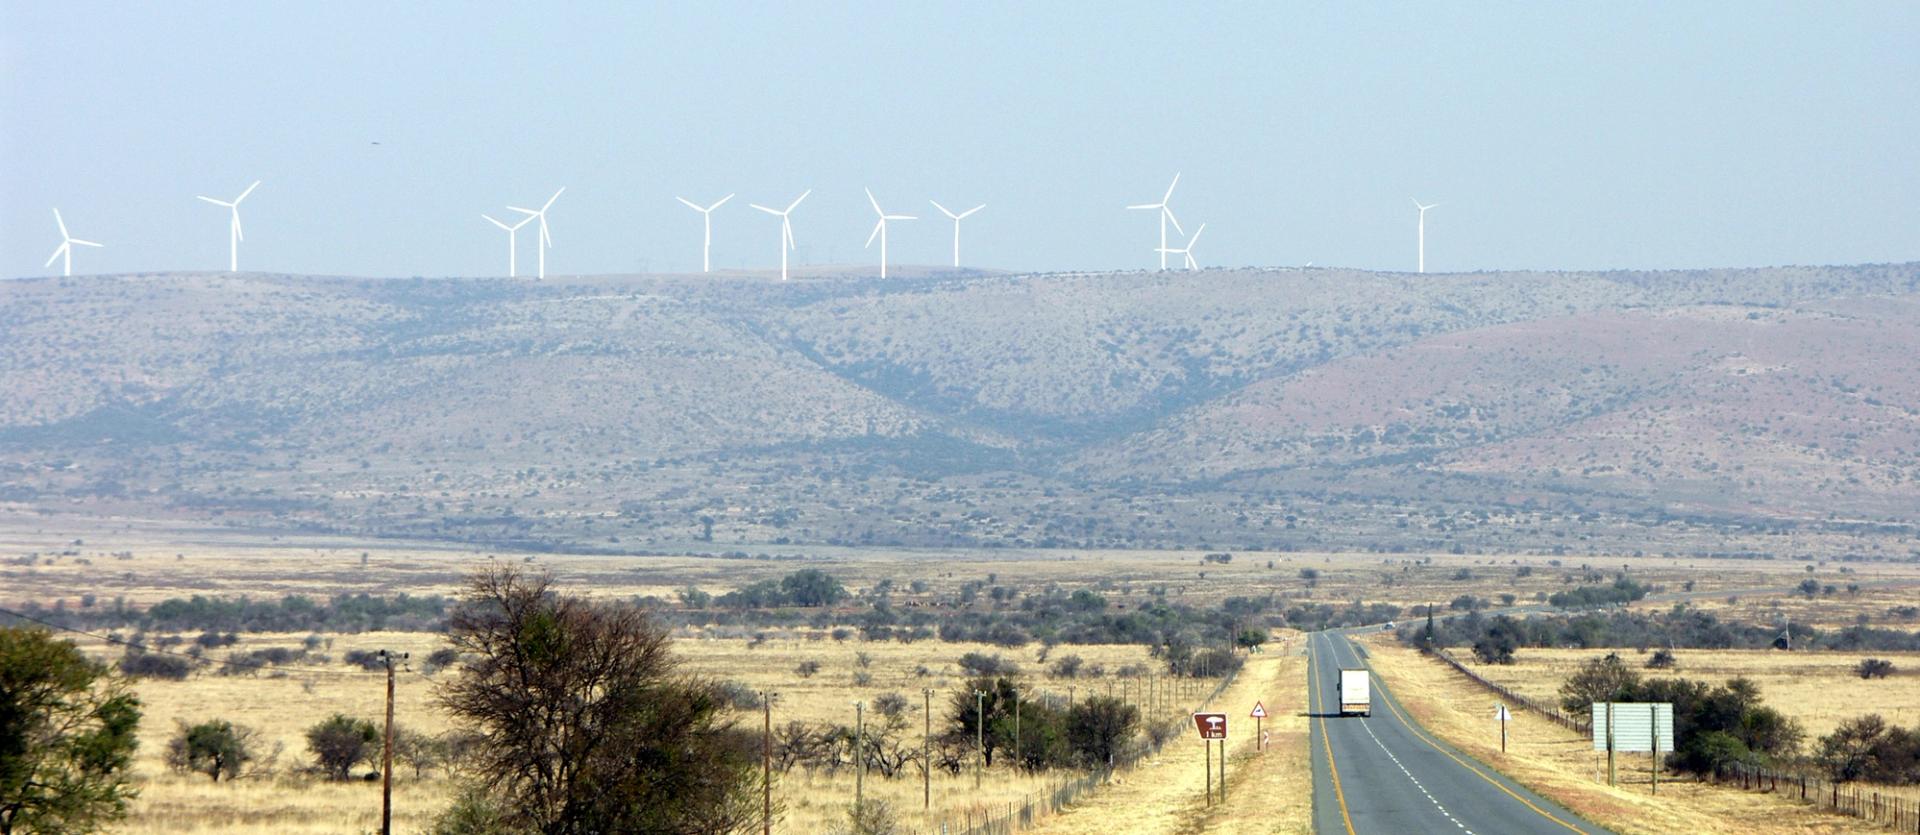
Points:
[(1626, 727), (1213, 726), (1503, 715), (1259, 713)]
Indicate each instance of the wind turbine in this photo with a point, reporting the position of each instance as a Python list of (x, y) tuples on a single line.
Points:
[(234, 235), (1423, 233), (706, 247), (66, 245), (1186, 251), (513, 237), (786, 227), (956, 225), (546, 239), (1166, 214), (880, 230)]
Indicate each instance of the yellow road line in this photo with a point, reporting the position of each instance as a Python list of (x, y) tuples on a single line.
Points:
[(1415, 729), (1313, 694)]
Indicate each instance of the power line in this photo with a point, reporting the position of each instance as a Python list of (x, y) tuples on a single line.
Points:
[(262, 665)]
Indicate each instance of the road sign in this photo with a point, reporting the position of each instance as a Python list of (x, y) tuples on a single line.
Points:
[(1211, 725), (1502, 713), (1259, 711), (1633, 727)]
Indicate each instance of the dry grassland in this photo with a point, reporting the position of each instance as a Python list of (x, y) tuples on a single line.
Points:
[(1561, 764), (1269, 791)]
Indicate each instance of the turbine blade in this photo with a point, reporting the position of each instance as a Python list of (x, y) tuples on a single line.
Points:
[(690, 204), (971, 211), (1175, 220), (796, 200), (1196, 235), (876, 203), (85, 243), (239, 232), (56, 254), (556, 196), (243, 195), (523, 221), (786, 230), (943, 209), (522, 211), (1176, 182), (489, 219), (876, 232), (215, 202), (1192, 264), (718, 203), (63, 225), (899, 217), (775, 212), (1148, 206)]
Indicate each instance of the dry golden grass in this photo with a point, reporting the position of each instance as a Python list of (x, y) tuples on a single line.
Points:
[(1561, 764), (1268, 791)]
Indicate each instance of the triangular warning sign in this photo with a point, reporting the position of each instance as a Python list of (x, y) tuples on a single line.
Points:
[(1259, 711)]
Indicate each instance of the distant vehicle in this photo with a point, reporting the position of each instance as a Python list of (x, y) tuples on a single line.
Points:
[(1388, 627), (1356, 694)]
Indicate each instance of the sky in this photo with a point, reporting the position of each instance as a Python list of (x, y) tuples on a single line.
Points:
[(1551, 135)]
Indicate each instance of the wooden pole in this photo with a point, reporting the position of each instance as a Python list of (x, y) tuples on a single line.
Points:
[(1018, 752), (1654, 723), (859, 754), (1223, 772), (926, 750), (1610, 771), (386, 753), (766, 763), (1208, 743)]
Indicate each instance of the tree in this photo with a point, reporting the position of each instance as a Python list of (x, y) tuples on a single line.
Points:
[(66, 736), (1848, 753), (812, 587), (1251, 638), (966, 710), (585, 722), (1605, 679), (1497, 644), (216, 748), (417, 750), (1098, 728), (341, 742)]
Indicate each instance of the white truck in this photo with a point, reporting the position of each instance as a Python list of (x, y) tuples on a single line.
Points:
[(1355, 693)]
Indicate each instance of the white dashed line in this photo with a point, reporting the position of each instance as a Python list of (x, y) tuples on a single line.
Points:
[(1416, 781)]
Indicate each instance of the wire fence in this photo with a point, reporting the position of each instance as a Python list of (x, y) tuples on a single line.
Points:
[(1017, 816), (1903, 814), (1548, 712)]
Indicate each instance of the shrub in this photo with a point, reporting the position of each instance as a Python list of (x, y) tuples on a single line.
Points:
[(1662, 659), (137, 664), (807, 668), (1066, 666), (216, 748), (341, 742), (1874, 668), (981, 664), (1098, 728)]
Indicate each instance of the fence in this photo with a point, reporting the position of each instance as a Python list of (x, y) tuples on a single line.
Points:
[(1900, 813), (1550, 713), (1018, 816)]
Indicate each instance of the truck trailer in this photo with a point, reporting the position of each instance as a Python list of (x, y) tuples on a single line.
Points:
[(1356, 694)]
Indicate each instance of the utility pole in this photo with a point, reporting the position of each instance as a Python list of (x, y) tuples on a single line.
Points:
[(926, 750), (979, 735), (766, 763), (386, 750), (1017, 753), (859, 753)]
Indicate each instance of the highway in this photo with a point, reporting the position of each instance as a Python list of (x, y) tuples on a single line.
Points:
[(1385, 774)]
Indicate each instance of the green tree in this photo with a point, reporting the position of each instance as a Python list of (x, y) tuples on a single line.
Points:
[(585, 723), (341, 742), (216, 748), (812, 587), (987, 699), (66, 736), (1099, 727), (1251, 639), (1605, 679)]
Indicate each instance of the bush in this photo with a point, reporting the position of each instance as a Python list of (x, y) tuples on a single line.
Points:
[(807, 668), (978, 664), (872, 817), (1066, 666), (1867, 748), (1874, 668), (1099, 728), (216, 748), (341, 742), (1662, 660), (137, 664)]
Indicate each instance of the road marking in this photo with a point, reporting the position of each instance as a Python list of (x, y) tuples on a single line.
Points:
[(1414, 728), (1367, 724), (1313, 694)]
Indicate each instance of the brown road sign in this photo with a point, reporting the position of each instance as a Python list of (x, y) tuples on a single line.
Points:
[(1211, 725)]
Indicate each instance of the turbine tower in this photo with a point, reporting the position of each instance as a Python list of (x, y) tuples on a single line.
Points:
[(66, 245), (956, 225), (513, 237), (1166, 214), (786, 227), (706, 214), (880, 230), (546, 239), (1186, 251), (234, 235), (1423, 233)]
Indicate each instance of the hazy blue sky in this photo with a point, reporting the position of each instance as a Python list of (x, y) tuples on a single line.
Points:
[(1554, 135)]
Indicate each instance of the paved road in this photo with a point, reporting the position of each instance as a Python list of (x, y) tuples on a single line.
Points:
[(1384, 774)]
